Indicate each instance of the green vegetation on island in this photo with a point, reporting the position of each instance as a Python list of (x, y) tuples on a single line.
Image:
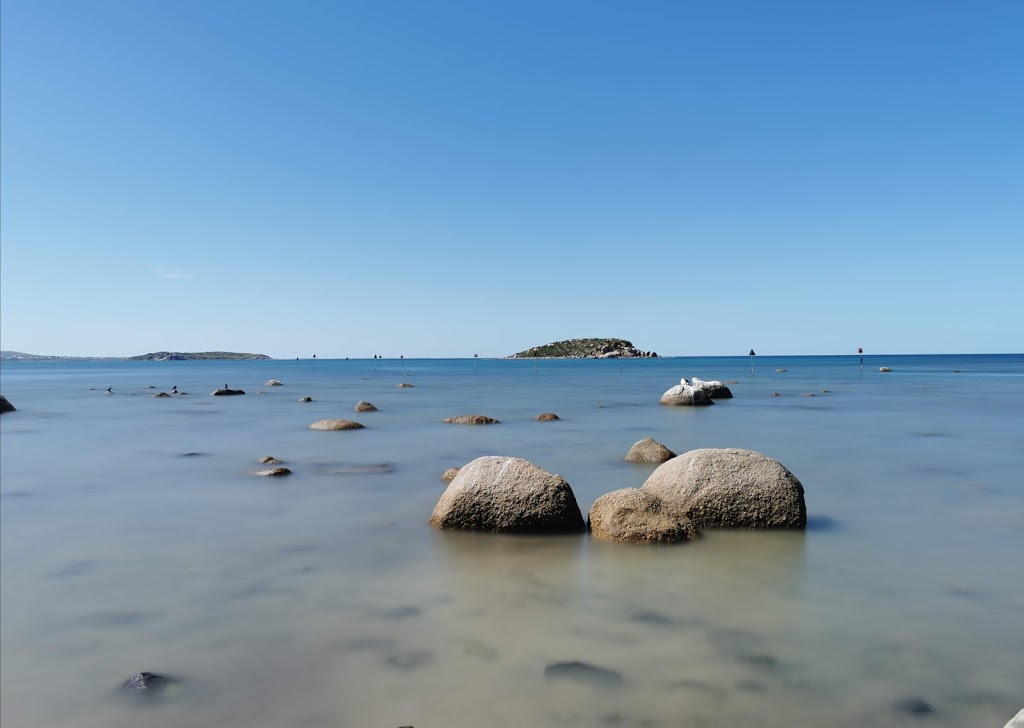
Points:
[(196, 356), (585, 349)]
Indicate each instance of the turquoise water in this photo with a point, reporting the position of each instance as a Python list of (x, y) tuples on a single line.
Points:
[(135, 538)]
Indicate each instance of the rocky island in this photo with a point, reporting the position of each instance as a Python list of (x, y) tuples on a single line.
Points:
[(196, 355), (585, 349)]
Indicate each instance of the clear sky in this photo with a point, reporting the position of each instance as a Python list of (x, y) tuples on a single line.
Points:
[(448, 178)]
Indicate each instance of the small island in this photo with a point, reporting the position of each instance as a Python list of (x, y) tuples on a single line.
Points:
[(586, 349), (196, 356)]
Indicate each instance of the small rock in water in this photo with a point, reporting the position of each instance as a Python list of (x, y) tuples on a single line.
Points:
[(161, 394), (776, 394), (273, 383), (781, 370), (362, 406), (913, 706), (149, 685), (648, 450), (268, 460), (273, 472), (225, 392), (405, 385), (472, 420), (336, 425), (884, 369), (305, 399), (581, 672), (547, 417)]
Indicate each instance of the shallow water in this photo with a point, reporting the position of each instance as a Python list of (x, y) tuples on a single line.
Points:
[(134, 538)]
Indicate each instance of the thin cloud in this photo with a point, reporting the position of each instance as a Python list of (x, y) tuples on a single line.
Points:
[(173, 274)]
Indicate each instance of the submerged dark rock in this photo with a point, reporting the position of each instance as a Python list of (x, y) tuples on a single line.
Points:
[(582, 672), (150, 685), (225, 392), (913, 706)]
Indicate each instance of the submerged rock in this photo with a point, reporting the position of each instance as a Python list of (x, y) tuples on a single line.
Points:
[(225, 392), (509, 495), (637, 516), (150, 686), (161, 395), (472, 420), (268, 460), (913, 707), (730, 488), (582, 672), (5, 406), (547, 417), (363, 406), (336, 425), (273, 472), (648, 450)]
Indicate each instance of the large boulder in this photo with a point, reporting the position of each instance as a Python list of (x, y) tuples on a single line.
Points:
[(685, 394), (730, 488), (1016, 721), (648, 450), (639, 517), (336, 425), (472, 420), (713, 388), (5, 406), (508, 495)]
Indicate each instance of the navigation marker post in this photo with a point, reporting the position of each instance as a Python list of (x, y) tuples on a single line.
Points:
[(752, 355), (860, 352)]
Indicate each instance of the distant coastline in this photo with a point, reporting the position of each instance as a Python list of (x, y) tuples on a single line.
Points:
[(586, 349), (10, 356)]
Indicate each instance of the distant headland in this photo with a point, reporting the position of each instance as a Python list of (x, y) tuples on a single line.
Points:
[(196, 356), (586, 349), (155, 356)]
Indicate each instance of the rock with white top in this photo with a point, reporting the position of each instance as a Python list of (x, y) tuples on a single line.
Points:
[(685, 394), (713, 388)]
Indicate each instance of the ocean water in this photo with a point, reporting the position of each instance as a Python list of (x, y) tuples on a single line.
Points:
[(133, 537)]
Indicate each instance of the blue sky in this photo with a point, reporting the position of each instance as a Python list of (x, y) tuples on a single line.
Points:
[(449, 178)]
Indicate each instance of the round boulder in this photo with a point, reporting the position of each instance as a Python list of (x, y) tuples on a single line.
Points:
[(547, 417), (648, 451), (335, 425), (507, 495), (362, 406), (638, 516), (472, 420), (730, 488)]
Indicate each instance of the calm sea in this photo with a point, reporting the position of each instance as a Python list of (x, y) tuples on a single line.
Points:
[(135, 538)]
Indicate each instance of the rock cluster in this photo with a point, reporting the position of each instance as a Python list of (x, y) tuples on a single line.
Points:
[(709, 488), (685, 394)]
